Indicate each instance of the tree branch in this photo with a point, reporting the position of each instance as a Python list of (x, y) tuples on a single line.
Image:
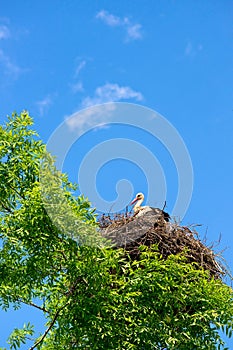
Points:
[(63, 254), (34, 305), (17, 192), (49, 327), (6, 208)]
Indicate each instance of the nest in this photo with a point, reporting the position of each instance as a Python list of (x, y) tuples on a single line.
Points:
[(170, 238), (117, 220)]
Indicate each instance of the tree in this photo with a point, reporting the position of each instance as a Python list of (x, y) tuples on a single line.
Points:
[(93, 296)]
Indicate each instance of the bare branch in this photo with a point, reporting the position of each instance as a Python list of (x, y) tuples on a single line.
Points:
[(49, 328), (5, 208), (34, 305)]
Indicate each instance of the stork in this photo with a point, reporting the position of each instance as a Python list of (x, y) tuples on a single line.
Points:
[(144, 219), (141, 210), (138, 200)]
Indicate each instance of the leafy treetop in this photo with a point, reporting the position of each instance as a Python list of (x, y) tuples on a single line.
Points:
[(92, 296)]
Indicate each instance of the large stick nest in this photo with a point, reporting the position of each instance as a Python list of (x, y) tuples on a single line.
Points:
[(130, 231)]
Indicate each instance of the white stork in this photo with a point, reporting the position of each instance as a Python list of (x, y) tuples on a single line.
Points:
[(138, 200), (141, 210)]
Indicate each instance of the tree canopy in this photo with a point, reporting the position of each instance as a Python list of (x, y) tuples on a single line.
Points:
[(92, 296)]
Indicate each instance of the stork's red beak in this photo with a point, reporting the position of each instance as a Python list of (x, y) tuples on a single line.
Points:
[(135, 200)]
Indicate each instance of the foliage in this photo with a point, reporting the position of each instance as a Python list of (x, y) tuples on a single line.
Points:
[(93, 297), (19, 336)]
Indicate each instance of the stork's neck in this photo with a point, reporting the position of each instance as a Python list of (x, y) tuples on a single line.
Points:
[(138, 205)]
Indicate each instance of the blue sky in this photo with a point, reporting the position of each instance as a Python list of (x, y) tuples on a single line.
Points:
[(174, 57)]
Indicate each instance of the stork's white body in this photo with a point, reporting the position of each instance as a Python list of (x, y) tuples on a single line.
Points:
[(138, 208)]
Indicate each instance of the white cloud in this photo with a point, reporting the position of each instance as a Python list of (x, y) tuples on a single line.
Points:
[(79, 67), (9, 67), (133, 30), (77, 87), (109, 19), (44, 104), (98, 112), (111, 93), (190, 50), (4, 32), (97, 116)]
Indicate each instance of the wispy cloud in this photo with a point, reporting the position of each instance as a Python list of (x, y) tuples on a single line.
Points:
[(97, 116), (111, 93), (9, 68), (133, 30), (100, 112), (4, 32), (191, 50), (80, 67), (109, 19), (77, 87), (44, 104)]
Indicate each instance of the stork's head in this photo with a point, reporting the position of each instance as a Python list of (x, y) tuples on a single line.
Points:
[(139, 197)]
